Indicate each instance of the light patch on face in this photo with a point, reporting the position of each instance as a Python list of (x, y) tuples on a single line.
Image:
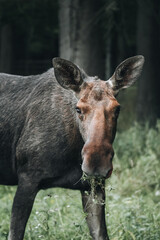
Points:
[(110, 83), (97, 93)]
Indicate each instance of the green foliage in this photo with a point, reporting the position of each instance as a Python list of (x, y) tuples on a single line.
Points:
[(135, 197), (132, 196)]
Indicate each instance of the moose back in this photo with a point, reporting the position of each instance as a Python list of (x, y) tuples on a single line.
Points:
[(54, 127)]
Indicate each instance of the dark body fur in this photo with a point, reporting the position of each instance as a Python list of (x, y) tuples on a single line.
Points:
[(37, 120)]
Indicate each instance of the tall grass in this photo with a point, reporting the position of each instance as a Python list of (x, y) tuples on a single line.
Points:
[(134, 190), (132, 196)]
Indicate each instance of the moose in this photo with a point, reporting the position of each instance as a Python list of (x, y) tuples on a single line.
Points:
[(53, 128)]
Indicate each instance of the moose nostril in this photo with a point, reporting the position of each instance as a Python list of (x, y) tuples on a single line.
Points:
[(111, 156), (112, 153), (109, 173)]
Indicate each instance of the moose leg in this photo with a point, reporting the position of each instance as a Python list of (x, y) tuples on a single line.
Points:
[(94, 207), (22, 206)]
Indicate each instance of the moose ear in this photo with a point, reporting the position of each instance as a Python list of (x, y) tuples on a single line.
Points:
[(67, 74), (126, 73)]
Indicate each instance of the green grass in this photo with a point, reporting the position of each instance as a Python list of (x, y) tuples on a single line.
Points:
[(132, 196)]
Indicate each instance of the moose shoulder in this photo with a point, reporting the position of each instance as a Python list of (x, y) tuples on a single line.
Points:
[(54, 127)]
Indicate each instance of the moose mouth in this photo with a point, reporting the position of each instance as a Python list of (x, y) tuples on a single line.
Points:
[(86, 176)]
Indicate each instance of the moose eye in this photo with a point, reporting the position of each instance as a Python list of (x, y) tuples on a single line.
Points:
[(78, 110)]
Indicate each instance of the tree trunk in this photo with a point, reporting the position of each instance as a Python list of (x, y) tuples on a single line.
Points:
[(148, 42), (81, 40), (6, 49)]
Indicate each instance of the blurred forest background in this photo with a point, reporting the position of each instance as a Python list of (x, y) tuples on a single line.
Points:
[(97, 35)]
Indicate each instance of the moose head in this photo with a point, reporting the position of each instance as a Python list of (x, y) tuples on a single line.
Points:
[(97, 109)]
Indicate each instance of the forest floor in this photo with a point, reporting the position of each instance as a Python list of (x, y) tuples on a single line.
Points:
[(132, 196)]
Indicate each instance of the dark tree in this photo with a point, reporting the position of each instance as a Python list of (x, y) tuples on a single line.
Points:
[(6, 48), (28, 35), (148, 44), (81, 38)]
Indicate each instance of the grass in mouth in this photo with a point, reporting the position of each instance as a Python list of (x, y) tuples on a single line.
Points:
[(95, 183)]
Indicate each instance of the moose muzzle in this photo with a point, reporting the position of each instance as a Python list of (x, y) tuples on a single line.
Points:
[(97, 160)]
